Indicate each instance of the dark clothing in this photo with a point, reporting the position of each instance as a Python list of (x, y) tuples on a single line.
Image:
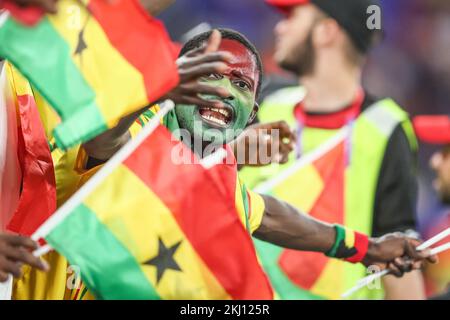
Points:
[(397, 187)]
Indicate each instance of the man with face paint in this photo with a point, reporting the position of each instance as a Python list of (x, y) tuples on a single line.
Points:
[(15, 251), (268, 218), (240, 79), (325, 44)]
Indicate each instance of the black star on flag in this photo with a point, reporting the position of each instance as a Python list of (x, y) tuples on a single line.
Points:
[(164, 260), (81, 46)]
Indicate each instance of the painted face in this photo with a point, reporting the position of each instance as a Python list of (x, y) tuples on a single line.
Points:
[(220, 126), (440, 163)]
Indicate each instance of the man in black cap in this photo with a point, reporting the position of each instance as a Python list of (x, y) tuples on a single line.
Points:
[(325, 44)]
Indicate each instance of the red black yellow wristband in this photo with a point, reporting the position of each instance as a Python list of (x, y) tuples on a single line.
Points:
[(349, 245)]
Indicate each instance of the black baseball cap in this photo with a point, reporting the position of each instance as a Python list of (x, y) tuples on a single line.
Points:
[(352, 15)]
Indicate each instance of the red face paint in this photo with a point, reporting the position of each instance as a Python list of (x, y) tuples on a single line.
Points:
[(243, 64)]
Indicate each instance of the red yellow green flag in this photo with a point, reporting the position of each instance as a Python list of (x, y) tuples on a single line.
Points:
[(36, 197), (94, 62), (437, 276), (314, 185), (145, 227)]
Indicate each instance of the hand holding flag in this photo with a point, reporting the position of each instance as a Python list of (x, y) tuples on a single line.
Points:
[(145, 234), (424, 246)]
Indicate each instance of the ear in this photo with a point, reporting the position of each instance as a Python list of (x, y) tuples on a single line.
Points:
[(254, 112), (326, 31)]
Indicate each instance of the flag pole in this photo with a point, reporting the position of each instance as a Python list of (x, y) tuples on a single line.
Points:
[(305, 160), (98, 178), (365, 281)]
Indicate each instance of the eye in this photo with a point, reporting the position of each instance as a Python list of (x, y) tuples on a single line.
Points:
[(213, 76), (243, 85)]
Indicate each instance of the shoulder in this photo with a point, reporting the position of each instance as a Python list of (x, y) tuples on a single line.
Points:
[(291, 94), (390, 119), (280, 104)]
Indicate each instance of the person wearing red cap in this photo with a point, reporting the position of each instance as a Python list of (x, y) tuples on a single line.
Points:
[(436, 130), (325, 44)]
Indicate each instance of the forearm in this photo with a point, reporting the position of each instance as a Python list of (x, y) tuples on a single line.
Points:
[(105, 145), (285, 226)]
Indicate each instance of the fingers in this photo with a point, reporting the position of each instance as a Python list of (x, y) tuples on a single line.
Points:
[(9, 266), (400, 266), (194, 100), (404, 265), (16, 251), (194, 52), (23, 256), (195, 88), (284, 129), (214, 41), (285, 150), (18, 241), (47, 5), (433, 259), (201, 70), (3, 276), (394, 270), (213, 45), (205, 58), (412, 252)]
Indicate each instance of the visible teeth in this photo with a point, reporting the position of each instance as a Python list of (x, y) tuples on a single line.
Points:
[(215, 120), (225, 112)]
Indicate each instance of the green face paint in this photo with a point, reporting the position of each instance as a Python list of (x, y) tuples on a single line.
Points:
[(214, 126), (208, 125)]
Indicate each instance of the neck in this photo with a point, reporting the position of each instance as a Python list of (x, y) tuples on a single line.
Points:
[(331, 87)]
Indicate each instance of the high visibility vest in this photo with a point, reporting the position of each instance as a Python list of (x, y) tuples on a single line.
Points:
[(371, 132)]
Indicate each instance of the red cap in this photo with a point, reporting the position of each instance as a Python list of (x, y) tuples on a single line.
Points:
[(284, 5), (433, 129)]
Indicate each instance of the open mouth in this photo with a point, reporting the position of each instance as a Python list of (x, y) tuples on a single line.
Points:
[(217, 117)]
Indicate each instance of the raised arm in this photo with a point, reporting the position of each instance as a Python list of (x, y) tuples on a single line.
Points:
[(193, 65), (285, 226)]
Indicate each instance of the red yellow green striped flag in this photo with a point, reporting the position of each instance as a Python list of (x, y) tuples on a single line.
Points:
[(37, 200), (94, 62), (147, 228), (314, 185)]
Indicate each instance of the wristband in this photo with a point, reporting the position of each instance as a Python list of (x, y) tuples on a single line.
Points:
[(349, 245)]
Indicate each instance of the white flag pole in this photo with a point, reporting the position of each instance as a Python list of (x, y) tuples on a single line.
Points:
[(365, 281), (303, 161), (99, 177)]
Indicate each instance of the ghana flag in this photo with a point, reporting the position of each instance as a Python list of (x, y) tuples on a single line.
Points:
[(314, 185), (27, 179), (94, 62), (146, 228)]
